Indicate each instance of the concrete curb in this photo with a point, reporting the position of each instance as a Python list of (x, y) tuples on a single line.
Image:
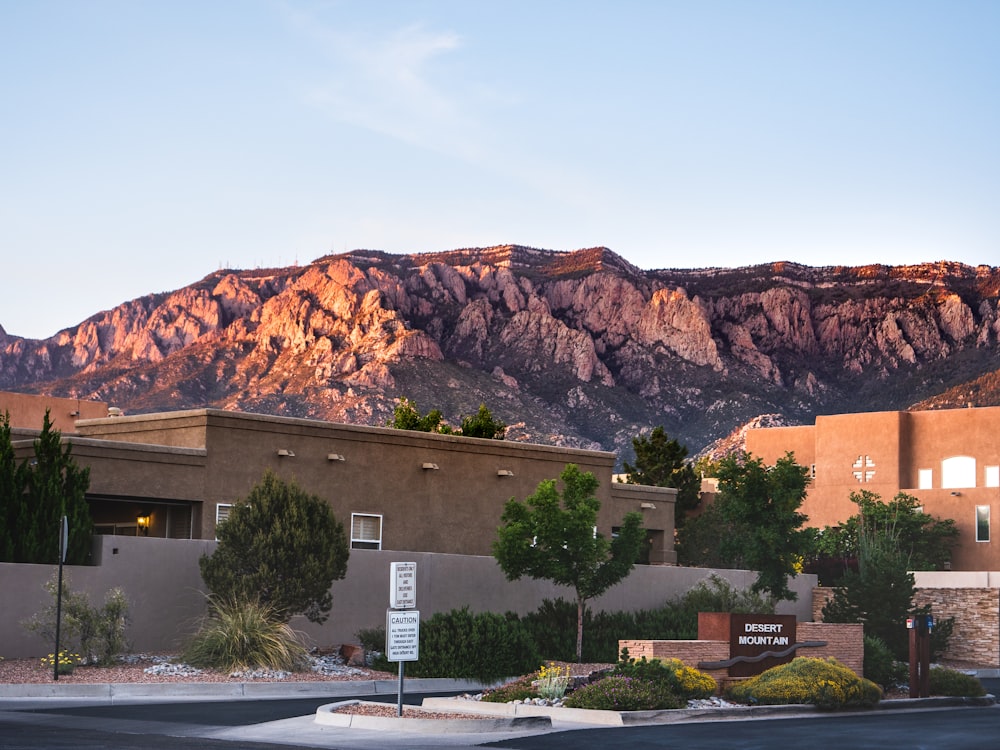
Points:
[(326, 715), (112, 692), (560, 715)]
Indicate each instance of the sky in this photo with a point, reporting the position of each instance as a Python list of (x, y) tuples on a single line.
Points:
[(145, 145)]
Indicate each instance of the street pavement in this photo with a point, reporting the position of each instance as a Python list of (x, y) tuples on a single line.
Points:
[(187, 719)]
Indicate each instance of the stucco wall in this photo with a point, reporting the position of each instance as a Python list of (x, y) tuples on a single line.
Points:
[(161, 579)]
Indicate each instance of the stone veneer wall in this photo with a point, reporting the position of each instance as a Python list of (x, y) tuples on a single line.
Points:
[(844, 642), (976, 637)]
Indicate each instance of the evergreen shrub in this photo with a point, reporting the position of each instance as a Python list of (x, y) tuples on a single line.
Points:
[(823, 682), (951, 682)]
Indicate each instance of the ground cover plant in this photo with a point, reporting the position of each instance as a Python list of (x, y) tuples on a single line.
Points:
[(621, 693), (684, 681), (825, 683)]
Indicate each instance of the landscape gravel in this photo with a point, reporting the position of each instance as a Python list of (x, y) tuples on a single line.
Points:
[(147, 668)]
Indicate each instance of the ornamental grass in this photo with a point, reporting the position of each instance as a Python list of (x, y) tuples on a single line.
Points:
[(245, 635)]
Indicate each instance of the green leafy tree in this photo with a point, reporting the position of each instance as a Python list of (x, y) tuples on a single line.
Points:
[(554, 536), (925, 540), (406, 416), (483, 425), (662, 462), (281, 547), (879, 594), (762, 504), (36, 494)]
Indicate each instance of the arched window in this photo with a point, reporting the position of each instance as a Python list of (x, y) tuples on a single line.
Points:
[(958, 472)]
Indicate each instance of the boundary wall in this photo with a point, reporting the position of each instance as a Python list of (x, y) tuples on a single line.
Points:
[(972, 598), (166, 596)]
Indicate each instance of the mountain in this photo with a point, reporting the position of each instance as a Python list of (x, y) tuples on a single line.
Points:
[(579, 349)]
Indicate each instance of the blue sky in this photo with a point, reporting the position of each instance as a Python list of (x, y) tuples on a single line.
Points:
[(146, 144)]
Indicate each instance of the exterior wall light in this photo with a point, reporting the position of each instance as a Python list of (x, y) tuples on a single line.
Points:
[(505, 473), (285, 453), (142, 524), (647, 506), (429, 465), (334, 457)]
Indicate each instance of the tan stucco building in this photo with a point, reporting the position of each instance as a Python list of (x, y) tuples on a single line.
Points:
[(948, 459), (174, 474)]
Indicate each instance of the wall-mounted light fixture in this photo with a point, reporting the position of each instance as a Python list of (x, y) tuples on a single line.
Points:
[(334, 457), (142, 524), (505, 473), (647, 506), (429, 465), (74, 413), (956, 494), (285, 453)]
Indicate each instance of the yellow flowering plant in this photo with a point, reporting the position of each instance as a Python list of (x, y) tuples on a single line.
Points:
[(67, 662), (552, 681)]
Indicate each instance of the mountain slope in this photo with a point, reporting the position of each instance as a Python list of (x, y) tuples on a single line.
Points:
[(580, 348)]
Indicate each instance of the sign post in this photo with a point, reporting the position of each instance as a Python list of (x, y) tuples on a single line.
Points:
[(63, 544), (402, 621)]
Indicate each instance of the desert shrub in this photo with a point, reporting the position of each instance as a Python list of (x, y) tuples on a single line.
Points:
[(97, 632), (684, 681), (945, 681), (518, 690), (824, 682), (881, 666), (242, 635), (484, 646), (622, 693)]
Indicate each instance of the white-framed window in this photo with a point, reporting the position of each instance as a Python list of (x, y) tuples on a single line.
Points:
[(992, 476), (982, 523), (221, 514), (366, 531), (925, 479), (958, 472)]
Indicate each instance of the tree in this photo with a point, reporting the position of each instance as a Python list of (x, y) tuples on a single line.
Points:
[(406, 416), (36, 494), (483, 425), (662, 462), (763, 504), (925, 541), (879, 594), (554, 537), (282, 547), (12, 486)]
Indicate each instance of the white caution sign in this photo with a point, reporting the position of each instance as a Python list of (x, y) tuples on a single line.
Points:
[(402, 635)]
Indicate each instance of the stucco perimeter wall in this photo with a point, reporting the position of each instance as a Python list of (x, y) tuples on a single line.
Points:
[(845, 643), (162, 582)]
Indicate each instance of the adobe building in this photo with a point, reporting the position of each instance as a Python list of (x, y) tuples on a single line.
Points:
[(948, 459), (176, 474)]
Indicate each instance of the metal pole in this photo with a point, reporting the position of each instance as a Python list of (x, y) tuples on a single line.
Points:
[(63, 539), (399, 699)]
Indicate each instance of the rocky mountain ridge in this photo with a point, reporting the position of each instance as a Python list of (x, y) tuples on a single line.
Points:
[(580, 348)]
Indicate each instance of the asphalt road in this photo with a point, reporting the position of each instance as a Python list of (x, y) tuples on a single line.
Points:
[(278, 724)]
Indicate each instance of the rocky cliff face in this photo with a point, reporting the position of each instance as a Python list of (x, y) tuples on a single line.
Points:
[(577, 348)]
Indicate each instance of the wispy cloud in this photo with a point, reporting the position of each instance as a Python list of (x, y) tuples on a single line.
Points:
[(409, 83)]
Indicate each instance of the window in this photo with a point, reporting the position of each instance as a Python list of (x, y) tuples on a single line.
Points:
[(366, 531), (925, 479), (221, 514), (993, 476), (982, 523), (958, 472)]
